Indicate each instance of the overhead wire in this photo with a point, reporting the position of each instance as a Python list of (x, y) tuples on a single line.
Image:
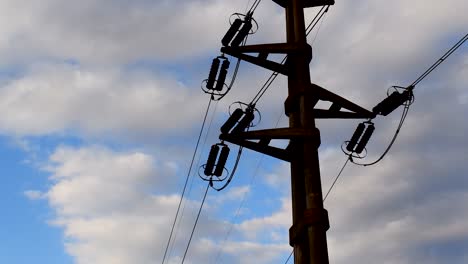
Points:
[(411, 99), (187, 179), (254, 175), (196, 222), (233, 79), (439, 61), (234, 76), (336, 179), (254, 6)]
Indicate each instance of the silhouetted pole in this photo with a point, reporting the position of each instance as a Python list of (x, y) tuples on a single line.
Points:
[(310, 219)]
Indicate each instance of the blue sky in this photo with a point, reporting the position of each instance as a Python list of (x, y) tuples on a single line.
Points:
[(100, 107)]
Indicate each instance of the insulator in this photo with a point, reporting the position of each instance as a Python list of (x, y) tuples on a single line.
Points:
[(231, 32), (365, 138), (391, 103), (212, 74), (244, 122), (357, 134), (243, 32), (221, 161), (222, 75), (210, 163), (232, 120)]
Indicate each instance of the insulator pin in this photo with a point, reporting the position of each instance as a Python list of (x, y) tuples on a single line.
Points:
[(365, 139), (212, 75), (244, 122), (231, 32), (211, 160), (243, 32), (221, 161), (232, 120), (357, 134), (222, 75), (392, 102)]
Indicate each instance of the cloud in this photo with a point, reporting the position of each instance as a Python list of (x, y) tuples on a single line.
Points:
[(109, 32), (59, 99), (116, 206), (34, 195), (111, 211)]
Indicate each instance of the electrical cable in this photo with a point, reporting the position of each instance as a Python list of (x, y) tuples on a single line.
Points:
[(273, 76), (411, 99), (218, 255), (392, 141), (336, 178), (187, 179), (239, 153), (290, 255), (198, 164), (196, 222), (254, 6), (442, 59)]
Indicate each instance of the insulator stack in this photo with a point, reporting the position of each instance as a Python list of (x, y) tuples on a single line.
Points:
[(243, 32), (392, 102), (232, 120), (222, 75), (211, 160), (221, 161), (354, 139), (212, 75), (231, 32), (365, 139), (244, 122)]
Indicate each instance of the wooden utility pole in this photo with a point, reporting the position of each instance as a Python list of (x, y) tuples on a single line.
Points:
[(310, 219)]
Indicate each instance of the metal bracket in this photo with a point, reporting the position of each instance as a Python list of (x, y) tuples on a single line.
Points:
[(278, 153), (307, 3), (313, 216), (338, 102), (263, 50)]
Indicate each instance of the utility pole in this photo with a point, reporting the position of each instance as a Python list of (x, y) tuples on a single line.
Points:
[(310, 219)]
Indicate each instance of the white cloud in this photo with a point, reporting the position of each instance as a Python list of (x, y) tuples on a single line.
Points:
[(108, 206), (115, 207), (34, 195), (112, 103)]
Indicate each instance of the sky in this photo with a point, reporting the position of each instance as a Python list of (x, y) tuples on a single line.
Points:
[(101, 106)]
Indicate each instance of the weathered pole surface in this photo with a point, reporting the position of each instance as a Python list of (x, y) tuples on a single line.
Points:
[(310, 220)]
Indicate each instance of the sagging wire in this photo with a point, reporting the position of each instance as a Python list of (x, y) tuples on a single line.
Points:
[(187, 179), (395, 135)]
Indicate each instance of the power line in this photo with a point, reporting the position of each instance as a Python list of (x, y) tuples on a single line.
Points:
[(186, 180), (254, 6), (290, 255), (198, 165), (218, 255), (196, 222), (411, 99), (439, 61), (336, 179)]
